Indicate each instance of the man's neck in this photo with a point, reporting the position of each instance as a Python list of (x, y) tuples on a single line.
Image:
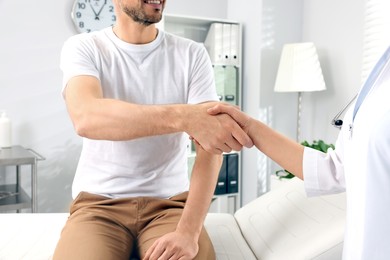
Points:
[(135, 33)]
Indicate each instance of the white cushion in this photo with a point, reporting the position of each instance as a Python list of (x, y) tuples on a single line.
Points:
[(227, 238), (285, 224), (30, 236)]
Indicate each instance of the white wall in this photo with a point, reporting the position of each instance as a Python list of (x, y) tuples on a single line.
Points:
[(203, 8), (336, 27)]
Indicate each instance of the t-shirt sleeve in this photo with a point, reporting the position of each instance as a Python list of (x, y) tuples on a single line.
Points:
[(77, 58), (201, 83)]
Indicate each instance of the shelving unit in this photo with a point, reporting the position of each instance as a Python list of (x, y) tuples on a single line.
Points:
[(227, 71), (17, 198)]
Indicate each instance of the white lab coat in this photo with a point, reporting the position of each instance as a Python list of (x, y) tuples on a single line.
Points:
[(360, 165)]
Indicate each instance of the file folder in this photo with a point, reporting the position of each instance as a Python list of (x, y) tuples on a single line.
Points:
[(213, 43), (219, 77), (221, 183), (234, 45), (231, 85), (232, 173), (226, 83), (226, 43)]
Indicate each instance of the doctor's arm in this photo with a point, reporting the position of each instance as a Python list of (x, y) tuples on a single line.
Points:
[(284, 151), (183, 242)]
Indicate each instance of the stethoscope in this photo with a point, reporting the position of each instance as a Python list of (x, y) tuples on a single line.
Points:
[(371, 81), (336, 121)]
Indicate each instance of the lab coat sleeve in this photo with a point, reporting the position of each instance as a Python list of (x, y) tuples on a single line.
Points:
[(323, 172)]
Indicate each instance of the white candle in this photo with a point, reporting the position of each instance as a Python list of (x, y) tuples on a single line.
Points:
[(5, 130)]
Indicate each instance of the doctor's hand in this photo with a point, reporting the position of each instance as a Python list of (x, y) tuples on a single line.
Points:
[(173, 246), (240, 117)]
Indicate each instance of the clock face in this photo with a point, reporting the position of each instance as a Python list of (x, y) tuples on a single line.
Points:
[(92, 15)]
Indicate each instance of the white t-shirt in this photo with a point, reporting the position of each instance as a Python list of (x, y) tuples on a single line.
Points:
[(169, 70), (360, 164)]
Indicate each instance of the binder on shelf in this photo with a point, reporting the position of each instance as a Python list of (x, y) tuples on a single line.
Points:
[(231, 85), (221, 183), (234, 45), (219, 77), (232, 173), (226, 40), (213, 42), (226, 83)]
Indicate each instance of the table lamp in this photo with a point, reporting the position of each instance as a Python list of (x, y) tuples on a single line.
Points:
[(299, 71)]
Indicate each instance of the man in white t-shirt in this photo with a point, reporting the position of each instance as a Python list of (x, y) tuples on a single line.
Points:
[(135, 94)]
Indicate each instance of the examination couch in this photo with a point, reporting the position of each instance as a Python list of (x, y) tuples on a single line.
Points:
[(283, 224)]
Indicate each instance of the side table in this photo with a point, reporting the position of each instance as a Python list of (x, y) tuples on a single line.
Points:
[(12, 196)]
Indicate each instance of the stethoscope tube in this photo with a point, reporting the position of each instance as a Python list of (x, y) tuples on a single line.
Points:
[(336, 121)]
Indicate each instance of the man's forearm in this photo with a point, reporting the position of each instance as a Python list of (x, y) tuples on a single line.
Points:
[(97, 117), (109, 119), (203, 180)]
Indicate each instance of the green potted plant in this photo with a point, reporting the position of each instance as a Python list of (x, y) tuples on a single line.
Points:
[(319, 145)]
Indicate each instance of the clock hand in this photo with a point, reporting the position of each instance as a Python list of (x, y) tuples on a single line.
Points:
[(96, 14), (105, 2)]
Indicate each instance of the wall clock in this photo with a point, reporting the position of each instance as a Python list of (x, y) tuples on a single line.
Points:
[(92, 15)]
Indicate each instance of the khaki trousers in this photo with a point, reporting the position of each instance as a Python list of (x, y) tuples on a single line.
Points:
[(103, 228)]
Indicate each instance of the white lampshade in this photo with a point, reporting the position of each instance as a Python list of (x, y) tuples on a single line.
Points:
[(299, 69)]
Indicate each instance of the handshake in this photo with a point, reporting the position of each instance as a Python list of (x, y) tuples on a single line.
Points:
[(221, 127)]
